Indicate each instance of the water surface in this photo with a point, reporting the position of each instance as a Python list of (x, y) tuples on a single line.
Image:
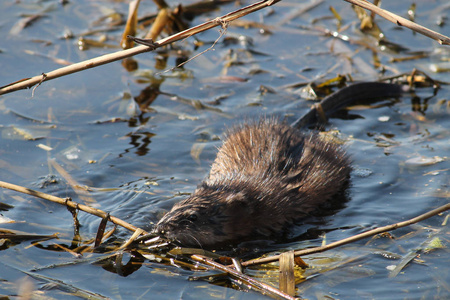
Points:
[(137, 166)]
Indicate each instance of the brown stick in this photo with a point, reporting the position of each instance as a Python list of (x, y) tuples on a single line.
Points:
[(107, 58), (69, 203), (442, 39), (352, 238)]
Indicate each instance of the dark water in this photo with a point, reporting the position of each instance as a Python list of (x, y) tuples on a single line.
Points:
[(143, 163)]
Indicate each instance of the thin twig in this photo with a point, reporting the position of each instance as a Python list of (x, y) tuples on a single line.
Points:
[(442, 39), (353, 238), (222, 33), (69, 203), (107, 58)]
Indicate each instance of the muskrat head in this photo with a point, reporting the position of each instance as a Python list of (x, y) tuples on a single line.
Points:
[(208, 218)]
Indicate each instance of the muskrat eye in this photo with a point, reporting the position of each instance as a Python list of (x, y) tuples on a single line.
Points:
[(193, 217)]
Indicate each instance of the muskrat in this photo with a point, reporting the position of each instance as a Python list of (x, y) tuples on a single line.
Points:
[(266, 176)]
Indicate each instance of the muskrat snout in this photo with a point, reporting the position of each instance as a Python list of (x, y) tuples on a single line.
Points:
[(210, 217)]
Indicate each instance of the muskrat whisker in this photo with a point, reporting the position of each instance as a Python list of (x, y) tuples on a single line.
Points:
[(184, 236), (196, 240)]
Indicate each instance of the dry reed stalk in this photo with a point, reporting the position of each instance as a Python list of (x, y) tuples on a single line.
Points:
[(442, 39), (69, 203), (353, 238), (107, 58)]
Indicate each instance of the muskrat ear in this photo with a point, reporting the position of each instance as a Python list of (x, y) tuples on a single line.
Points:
[(238, 202), (235, 198)]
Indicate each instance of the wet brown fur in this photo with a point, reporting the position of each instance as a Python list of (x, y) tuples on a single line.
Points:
[(266, 176)]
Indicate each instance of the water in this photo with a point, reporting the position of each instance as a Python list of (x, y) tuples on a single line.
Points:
[(137, 167)]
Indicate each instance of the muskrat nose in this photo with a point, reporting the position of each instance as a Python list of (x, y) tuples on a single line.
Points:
[(158, 230), (162, 229)]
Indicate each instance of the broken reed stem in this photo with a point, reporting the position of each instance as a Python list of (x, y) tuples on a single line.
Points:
[(352, 238), (287, 277), (69, 203), (161, 4), (270, 290), (107, 58), (442, 39)]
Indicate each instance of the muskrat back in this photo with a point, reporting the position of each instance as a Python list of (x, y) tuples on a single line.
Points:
[(266, 176)]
